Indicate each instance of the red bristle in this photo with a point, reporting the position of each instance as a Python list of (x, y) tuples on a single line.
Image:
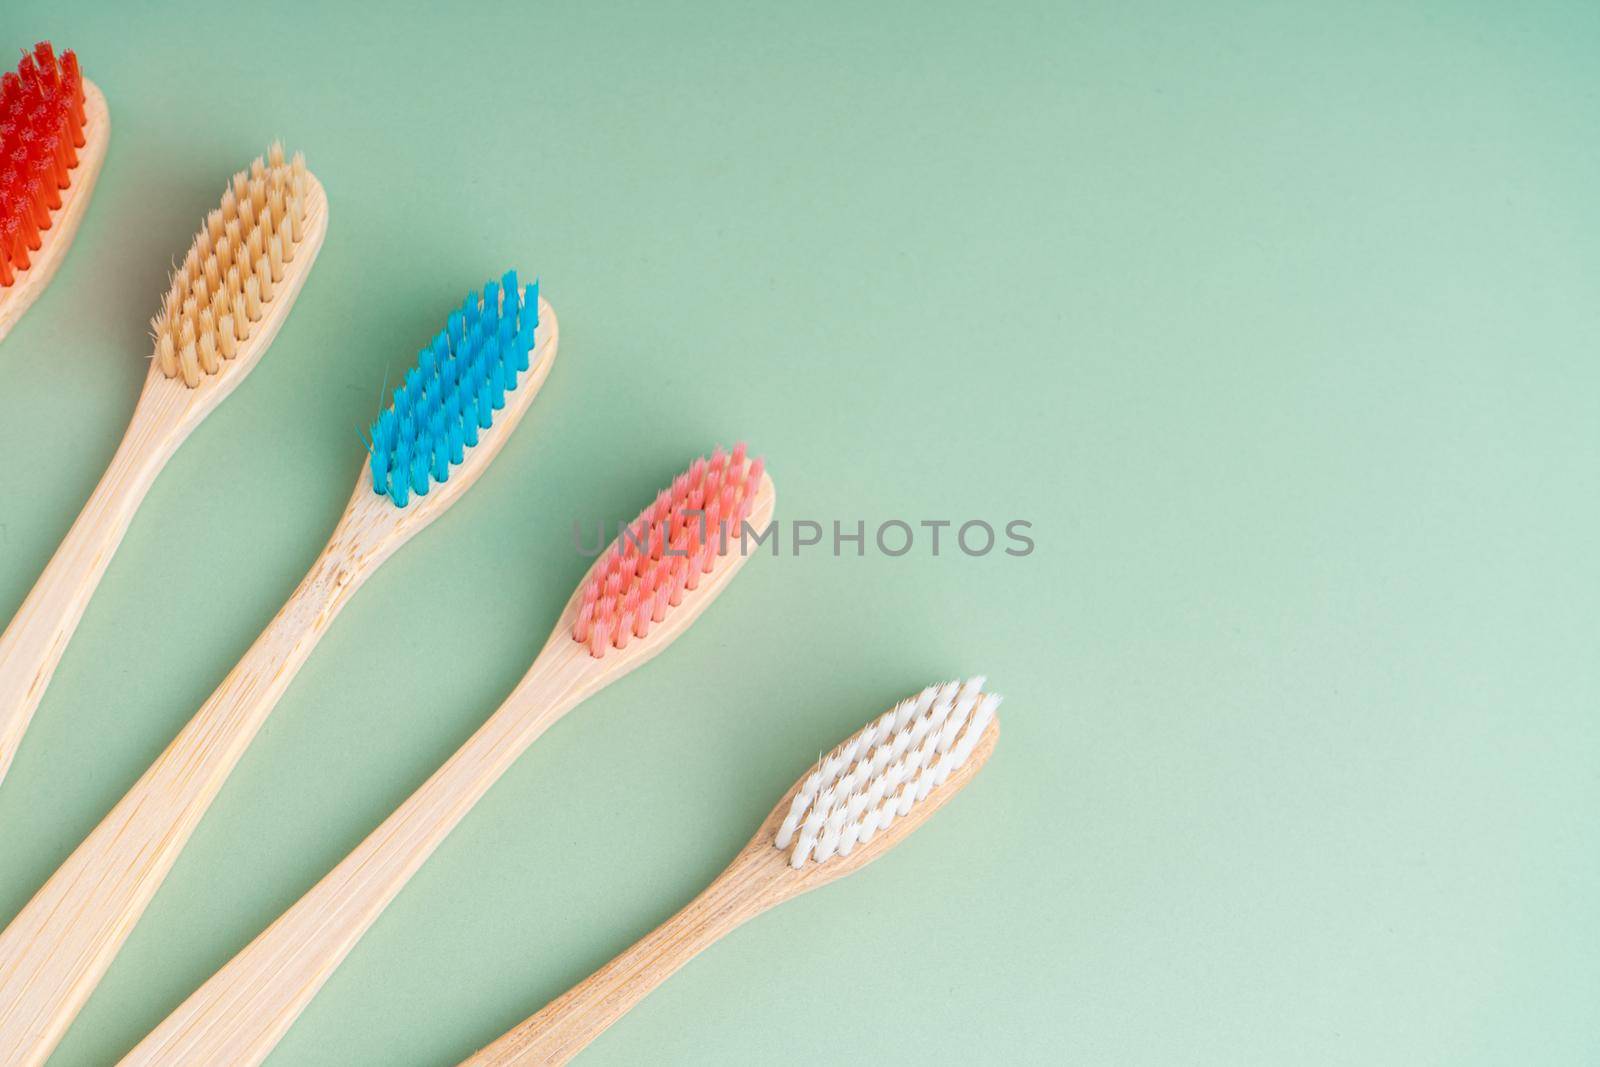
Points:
[(11, 236), (43, 181), (74, 82), (29, 72), (45, 57), (29, 232)]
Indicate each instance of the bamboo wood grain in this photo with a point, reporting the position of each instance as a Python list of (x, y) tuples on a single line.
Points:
[(758, 879), (58, 947), (241, 1013), (54, 242), (167, 413)]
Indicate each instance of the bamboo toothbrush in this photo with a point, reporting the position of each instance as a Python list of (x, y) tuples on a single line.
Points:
[(660, 574), (224, 307), (449, 419), (54, 128), (857, 804)]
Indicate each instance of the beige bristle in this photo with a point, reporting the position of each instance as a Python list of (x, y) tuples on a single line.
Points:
[(189, 365), (275, 202), (263, 279), (232, 271), (221, 305), (209, 362), (166, 351), (275, 257), (252, 299)]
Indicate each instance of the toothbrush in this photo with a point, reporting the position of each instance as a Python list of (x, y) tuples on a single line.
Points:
[(225, 305), (857, 804), (657, 577), (54, 128), (449, 419)]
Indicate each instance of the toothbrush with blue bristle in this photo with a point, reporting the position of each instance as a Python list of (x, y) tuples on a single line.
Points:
[(449, 418)]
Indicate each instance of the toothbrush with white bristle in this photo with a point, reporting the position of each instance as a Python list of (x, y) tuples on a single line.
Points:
[(858, 803)]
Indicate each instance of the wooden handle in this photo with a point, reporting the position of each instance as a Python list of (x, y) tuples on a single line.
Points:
[(565, 1026), (34, 641), (240, 1014), (60, 944)]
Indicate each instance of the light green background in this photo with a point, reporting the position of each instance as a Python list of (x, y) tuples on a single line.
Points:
[(1278, 321)]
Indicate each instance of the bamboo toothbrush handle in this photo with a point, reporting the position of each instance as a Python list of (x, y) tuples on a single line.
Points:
[(60, 944), (243, 1010), (564, 1027), (35, 639)]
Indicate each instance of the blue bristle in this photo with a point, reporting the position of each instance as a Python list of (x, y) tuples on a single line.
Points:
[(491, 368), (461, 378), (457, 441), (380, 457), (441, 456), (485, 408), (419, 474), (491, 302)]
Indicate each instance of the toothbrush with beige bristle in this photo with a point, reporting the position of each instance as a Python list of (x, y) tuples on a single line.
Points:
[(664, 569), (225, 305), (451, 416), (858, 802)]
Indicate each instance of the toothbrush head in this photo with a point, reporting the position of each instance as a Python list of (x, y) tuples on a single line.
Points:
[(463, 387), (882, 782), (54, 127), (667, 564), (234, 288), (41, 129)]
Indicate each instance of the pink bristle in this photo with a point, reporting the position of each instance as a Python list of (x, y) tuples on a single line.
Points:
[(660, 556)]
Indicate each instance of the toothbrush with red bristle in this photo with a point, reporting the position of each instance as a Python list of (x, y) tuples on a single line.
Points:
[(224, 306), (859, 801), (663, 570), (54, 128), (453, 414)]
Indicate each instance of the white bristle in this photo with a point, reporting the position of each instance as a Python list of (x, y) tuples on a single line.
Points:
[(880, 773)]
